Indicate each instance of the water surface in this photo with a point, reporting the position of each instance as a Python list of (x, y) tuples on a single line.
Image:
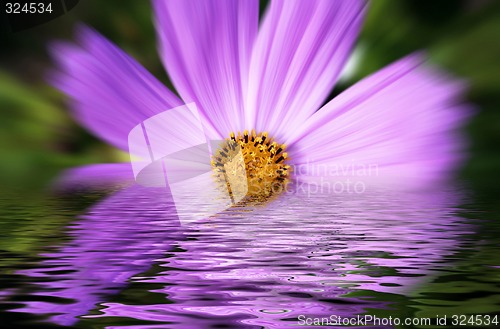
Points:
[(123, 259)]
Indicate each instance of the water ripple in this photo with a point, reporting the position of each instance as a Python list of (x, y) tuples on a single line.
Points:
[(129, 262)]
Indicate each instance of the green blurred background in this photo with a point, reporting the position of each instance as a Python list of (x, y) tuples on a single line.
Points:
[(38, 138)]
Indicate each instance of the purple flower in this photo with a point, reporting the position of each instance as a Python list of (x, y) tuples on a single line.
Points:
[(272, 77)]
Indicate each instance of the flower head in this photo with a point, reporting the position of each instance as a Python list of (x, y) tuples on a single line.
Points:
[(262, 87)]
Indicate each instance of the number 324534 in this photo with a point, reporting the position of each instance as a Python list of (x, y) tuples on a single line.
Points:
[(28, 8)]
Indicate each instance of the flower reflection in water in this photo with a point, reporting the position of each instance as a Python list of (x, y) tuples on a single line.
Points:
[(265, 266), (115, 240)]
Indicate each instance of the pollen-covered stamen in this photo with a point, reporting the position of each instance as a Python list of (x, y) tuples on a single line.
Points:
[(265, 164)]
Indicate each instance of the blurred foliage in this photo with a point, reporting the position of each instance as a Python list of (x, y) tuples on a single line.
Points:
[(40, 138)]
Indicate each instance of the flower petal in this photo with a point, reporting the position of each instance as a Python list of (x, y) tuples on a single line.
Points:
[(205, 46), (401, 122), (110, 92), (298, 56), (96, 175)]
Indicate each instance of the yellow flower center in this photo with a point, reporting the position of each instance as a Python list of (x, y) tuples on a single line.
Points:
[(267, 173)]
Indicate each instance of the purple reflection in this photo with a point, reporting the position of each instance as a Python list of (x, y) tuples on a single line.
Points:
[(116, 239), (301, 255)]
